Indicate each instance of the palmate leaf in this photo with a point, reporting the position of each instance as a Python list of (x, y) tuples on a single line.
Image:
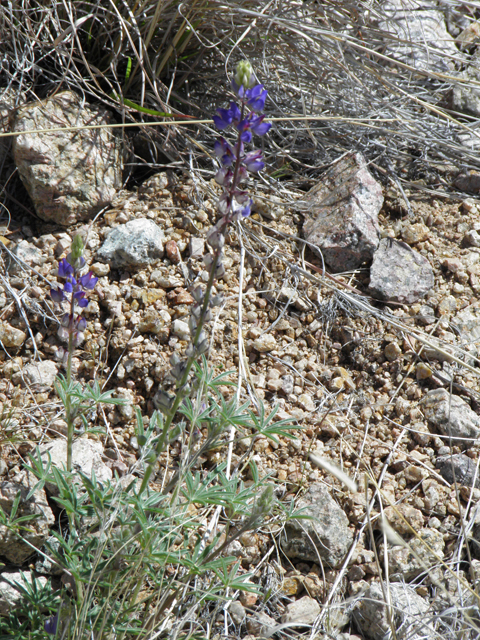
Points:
[(203, 491), (230, 578), (266, 426), (206, 376)]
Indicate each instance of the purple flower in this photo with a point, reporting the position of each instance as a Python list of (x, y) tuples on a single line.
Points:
[(253, 161), (88, 281), (227, 116), (258, 126), (57, 295), (50, 625), (256, 97), (245, 212), (65, 269)]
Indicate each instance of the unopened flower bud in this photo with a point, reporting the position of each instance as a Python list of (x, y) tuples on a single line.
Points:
[(163, 400), (174, 359), (215, 238), (78, 338), (197, 294), (63, 333), (202, 347), (192, 324), (217, 300), (244, 75)]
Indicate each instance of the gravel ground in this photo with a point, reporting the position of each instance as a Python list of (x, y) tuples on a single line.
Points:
[(356, 375)]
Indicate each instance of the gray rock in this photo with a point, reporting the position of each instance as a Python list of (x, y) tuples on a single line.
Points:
[(260, 625), (197, 248), (138, 242), (408, 611), (465, 95), (10, 594), (28, 255), (343, 217), (468, 181), (452, 416), (70, 175), (459, 468), (301, 612), (36, 530), (154, 184), (420, 36), (467, 323), (325, 537), (46, 563), (426, 315), (181, 329), (417, 557), (237, 611), (86, 457), (399, 274), (11, 336), (264, 343), (39, 375)]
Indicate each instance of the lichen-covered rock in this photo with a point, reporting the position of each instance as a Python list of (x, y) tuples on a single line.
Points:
[(343, 217), (419, 556), (452, 416), (325, 536), (35, 531), (418, 35), (70, 175), (466, 95), (408, 611), (399, 274), (136, 243)]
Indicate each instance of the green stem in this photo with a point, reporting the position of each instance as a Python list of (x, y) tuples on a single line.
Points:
[(182, 390), (68, 401)]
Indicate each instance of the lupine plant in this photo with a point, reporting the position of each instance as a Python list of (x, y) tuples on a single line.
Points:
[(234, 204), (135, 561)]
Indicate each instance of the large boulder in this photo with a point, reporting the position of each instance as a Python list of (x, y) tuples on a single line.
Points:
[(69, 175)]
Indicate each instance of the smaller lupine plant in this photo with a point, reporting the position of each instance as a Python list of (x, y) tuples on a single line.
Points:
[(75, 286), (73, 291)]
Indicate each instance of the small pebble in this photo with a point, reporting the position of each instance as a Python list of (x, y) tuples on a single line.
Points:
[(172, 251)]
